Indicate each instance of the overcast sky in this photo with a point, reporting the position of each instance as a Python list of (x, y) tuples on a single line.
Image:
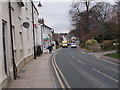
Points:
[(55, 14)]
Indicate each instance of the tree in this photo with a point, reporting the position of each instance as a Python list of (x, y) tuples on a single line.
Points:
[(117, 10), (91, 19), (80, 18)]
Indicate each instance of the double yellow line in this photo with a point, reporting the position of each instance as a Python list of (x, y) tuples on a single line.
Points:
[(59, 73)]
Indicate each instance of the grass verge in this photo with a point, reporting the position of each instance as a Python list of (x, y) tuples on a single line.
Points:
[(113, 55)]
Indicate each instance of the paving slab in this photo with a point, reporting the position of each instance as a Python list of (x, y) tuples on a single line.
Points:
[(35, 74)]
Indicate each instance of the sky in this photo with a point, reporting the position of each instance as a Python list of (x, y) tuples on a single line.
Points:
[(56, 14)]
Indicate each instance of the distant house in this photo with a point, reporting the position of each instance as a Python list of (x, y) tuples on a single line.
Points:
[(47, 36)]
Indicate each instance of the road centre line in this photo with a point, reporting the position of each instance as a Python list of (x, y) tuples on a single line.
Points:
[(81, 62), (100, 58), (105, 74), (107, 61), (73, 57)]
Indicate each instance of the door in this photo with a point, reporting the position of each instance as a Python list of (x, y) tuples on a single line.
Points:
[(4, 47)]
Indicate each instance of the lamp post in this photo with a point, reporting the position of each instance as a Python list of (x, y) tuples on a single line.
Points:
[(39, 5)]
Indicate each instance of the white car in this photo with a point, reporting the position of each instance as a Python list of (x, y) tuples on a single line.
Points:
[(73, 45)]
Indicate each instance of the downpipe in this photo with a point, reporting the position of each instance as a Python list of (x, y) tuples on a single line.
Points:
[(11, 34)]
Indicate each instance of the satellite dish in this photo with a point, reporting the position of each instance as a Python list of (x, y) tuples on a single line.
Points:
[(26, 24)]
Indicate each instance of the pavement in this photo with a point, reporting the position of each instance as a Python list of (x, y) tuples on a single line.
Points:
[(36, 74), (101, 55)]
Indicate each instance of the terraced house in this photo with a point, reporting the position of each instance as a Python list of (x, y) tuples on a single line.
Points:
[(16, 41)]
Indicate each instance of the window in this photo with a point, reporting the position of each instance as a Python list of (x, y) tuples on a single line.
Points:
[(4, 46), (21, 41), (13, 32)]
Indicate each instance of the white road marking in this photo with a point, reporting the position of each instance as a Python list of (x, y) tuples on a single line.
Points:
[(81, 62), (73, 57), (107, 61), (82, 52), (105, 75)]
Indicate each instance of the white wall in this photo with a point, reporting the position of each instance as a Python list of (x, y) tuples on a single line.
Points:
[(46, 32), (38, 36), (5, 17), (1, 46), (27, 33), (19, 15)]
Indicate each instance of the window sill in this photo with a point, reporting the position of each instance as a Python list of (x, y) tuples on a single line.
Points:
[(21, 49)]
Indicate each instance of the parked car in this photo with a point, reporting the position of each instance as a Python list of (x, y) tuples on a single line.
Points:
[(73, 45), (69, 44)]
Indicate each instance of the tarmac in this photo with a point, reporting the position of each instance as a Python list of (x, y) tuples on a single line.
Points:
[(36, 74), (102, 53)]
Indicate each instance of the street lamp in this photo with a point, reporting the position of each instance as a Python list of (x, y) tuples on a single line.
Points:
[(39, 5)]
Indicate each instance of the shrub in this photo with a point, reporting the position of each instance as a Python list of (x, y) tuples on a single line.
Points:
[(114, 41), (107, 42), (91, 42), (82, 45), (106, 45)]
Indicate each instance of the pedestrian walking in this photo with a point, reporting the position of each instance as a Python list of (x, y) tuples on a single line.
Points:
[(50, 48)]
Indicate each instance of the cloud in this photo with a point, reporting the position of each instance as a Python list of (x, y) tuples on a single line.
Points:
[(56, 15)]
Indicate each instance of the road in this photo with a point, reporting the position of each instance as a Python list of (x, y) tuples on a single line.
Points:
[(83, 70)]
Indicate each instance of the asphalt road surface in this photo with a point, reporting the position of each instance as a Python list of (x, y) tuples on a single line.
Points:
[(83, 70)]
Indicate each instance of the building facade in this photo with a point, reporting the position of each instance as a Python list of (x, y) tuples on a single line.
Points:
[(47, 36), (16, 47)]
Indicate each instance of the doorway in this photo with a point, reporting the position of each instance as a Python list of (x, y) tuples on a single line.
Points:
[(4, 47)]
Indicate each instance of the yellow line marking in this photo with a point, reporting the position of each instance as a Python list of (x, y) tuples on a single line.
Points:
[(60, 70), (68, 86), (56, 66), (57, 75)]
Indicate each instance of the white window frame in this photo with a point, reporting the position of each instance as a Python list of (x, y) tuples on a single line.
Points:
[(14, 42), (21, 40)]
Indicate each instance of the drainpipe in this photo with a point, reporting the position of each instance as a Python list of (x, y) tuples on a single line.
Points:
[(42, 37), (11, 34), (33, 30)]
